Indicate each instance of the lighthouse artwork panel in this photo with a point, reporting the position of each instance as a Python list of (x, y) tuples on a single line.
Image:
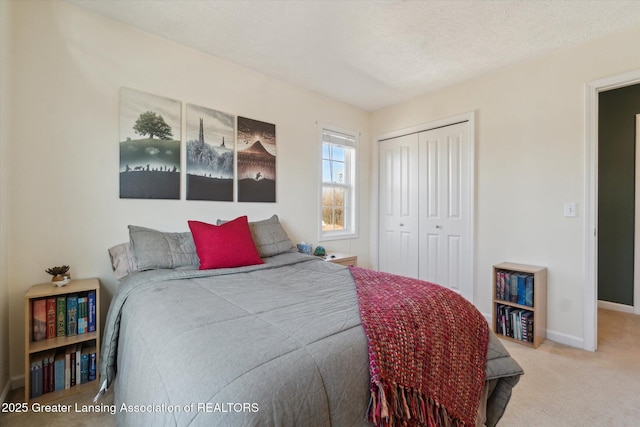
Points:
[(256, 161), (210, 145)]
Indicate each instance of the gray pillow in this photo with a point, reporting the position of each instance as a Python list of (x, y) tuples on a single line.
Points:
[(157, 249), (269, 237), (122, 260)]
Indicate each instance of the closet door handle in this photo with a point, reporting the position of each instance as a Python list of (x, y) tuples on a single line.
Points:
[(439, 227)]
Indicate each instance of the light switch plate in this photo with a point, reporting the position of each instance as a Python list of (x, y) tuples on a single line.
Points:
[(570, 210)]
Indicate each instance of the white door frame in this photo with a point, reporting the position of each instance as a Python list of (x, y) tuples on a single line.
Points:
[(591, 203), (636, 237), (375, 221)]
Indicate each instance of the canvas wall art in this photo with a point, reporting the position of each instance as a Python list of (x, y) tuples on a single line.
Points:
[(150, 141), (210, 145), (256, 161)]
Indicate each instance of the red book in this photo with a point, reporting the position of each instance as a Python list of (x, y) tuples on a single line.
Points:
[(51, 318), (39, 319)]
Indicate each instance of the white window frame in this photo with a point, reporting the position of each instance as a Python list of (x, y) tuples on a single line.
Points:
[(349, 140)]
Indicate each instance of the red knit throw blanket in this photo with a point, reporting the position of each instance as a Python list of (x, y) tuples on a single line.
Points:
[(427, 351)]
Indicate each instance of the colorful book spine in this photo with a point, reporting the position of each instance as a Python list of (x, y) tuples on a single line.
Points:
[(92, 363), (498, 285), (82, 317), (72, 315), (507, 286), (39, 316), (84, 365), (513, 297), (51, 318), (528, 299), (72, 367), (67, 368), (58, 370), (45, 374), (521, 289), (36, 378), (61, 314), (78, 362), (91, 300)]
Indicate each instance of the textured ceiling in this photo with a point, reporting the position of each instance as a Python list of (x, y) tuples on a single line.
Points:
[(373, 54)]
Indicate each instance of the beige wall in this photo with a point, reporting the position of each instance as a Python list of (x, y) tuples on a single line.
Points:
[(5, 69), (68, 67), (530, 160)]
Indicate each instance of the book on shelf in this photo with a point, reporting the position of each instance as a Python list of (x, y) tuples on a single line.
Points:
[(72, 367), (45, 374), (78, 363), (82, 314), (72, 315), (61, 314), (513, 280), (63, 368), (516, 323), (93, 363), (51, 318), (66, 315), (84, 365), (67, 367), (521, 289), (48, 365), (528, 299), (514, 287), (58, 370), (36, 378), (39, 320), (506, 277), (91, 320)]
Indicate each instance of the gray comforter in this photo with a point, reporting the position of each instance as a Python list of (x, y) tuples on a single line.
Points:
[(278, 344)]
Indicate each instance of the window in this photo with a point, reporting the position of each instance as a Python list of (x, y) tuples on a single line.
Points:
[(338, 192)]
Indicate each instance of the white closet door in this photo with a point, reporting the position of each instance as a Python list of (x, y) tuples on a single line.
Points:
[(398, 206), (446, 223)]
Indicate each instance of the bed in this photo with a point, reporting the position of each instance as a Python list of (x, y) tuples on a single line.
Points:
[(277, 343)]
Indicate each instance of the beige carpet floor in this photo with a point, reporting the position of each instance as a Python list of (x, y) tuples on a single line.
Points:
[(566, 387), (562, 386)]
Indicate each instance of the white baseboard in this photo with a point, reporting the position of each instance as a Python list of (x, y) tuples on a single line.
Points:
[(489, 320), (5, 392), (615, 306), (17, 382), (565, 339)]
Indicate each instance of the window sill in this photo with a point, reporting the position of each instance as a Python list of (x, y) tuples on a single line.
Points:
[(337, 236)]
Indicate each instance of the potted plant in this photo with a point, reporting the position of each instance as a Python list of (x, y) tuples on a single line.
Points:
[(60, 275)]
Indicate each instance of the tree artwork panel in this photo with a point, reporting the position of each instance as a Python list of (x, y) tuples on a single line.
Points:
[(149, 146), (256, 161), (210, 146)]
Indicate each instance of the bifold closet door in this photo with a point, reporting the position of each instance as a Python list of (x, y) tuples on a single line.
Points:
[(445, 226), (398, 206)]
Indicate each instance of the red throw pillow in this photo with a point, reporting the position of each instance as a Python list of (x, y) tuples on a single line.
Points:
[(226, 245)]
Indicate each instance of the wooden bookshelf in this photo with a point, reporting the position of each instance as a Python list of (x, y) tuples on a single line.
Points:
[(36, 349), (539, 308)]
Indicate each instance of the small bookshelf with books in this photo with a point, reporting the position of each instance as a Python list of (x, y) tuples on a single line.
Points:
[(520, 303), (62, 339)]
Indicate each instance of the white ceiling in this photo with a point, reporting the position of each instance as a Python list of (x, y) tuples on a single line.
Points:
[(373, 54)]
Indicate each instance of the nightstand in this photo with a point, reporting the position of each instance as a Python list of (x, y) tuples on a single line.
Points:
[(341, 258)]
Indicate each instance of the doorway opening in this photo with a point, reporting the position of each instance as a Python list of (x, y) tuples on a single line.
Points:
[(593, 91)]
